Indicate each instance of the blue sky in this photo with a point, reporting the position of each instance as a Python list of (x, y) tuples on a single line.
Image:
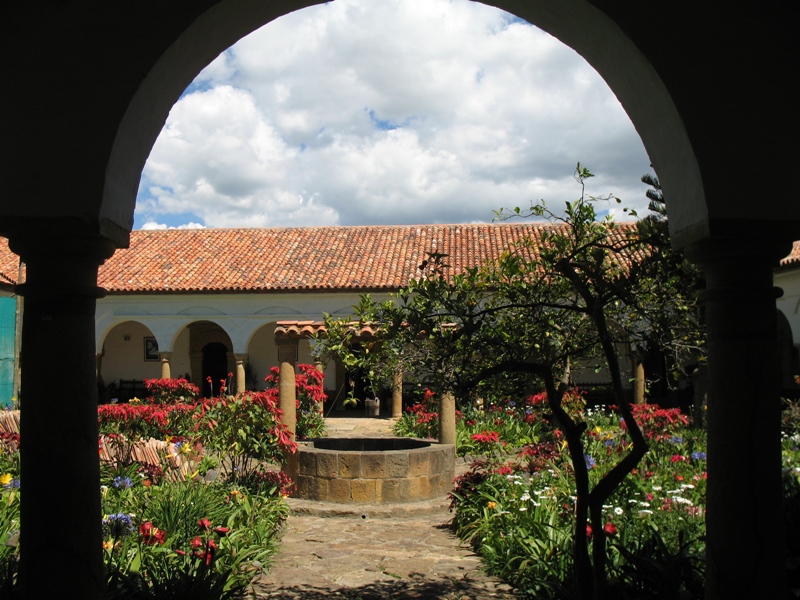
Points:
[(366, 112)]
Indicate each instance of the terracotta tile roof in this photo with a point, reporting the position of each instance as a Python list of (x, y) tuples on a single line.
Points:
[(298, 259), (793, 260)]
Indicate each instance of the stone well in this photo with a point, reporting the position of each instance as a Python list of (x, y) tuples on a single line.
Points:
[(371, 470)]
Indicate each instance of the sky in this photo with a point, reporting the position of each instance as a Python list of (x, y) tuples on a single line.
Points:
[(378, 112)]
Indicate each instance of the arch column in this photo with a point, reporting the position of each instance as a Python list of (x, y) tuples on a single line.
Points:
[(61, 431), (447, 418), (745, 538), (287, 391), (165, 369), (240, 381), (397, 394)]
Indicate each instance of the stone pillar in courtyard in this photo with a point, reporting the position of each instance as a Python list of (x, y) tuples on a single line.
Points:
[(165, 370), (447, 418), (61, 536), (241, 380), (287, 392), (745, 537), (638, 381), (397, 394)]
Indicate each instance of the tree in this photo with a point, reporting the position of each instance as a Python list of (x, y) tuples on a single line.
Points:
[(584, 287)]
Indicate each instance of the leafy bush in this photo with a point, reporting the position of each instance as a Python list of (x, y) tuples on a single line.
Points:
[(171, 391), (244, 430), (188, 540), (517, 510)]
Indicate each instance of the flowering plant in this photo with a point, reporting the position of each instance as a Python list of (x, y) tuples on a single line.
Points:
[(171, 391), (244, 430)]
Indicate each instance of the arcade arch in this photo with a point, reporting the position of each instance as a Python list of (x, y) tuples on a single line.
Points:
[(713, 151)]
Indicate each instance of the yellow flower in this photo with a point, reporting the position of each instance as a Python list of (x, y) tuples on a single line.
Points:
[(491, 505), (108, 545), (5, 479)]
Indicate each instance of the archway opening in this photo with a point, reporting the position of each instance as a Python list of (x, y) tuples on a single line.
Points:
[(215, 369)]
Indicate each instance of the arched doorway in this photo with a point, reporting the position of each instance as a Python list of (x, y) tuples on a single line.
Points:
[(215, 369)]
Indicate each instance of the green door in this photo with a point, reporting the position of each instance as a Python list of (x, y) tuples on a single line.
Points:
[(7, 321)]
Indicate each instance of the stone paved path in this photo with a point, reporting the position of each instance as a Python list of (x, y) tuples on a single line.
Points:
[(371, 553)]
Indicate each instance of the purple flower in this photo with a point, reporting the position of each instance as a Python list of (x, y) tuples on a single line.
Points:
[(123, 482), (118, 525), (590, 462), (698, 456)]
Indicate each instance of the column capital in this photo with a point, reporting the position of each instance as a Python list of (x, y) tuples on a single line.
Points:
[(61, 260)]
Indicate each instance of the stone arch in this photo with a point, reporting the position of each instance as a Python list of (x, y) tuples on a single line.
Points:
[(210, 355), (121, 357)]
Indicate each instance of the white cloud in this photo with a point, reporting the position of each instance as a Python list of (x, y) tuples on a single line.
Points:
[(150, 225), (399, 111)]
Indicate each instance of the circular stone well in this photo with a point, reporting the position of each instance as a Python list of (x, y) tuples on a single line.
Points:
[(371, 470)]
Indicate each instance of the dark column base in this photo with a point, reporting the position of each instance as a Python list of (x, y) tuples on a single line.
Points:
[(60, 514), (745, 544)]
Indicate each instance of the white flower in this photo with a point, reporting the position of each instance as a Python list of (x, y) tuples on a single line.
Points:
[(525, 497), (618, 510), (645, 512), (656, 488)]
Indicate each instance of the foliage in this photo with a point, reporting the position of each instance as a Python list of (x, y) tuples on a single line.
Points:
[(9, 511), (188, 540), (518, 511), (171, 391), (310, 390), (584, 287), (373, 357), (244, 430)]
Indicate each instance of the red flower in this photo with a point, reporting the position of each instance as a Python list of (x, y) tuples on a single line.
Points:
[(204, 524), (588, 531), (222, 531), (610, 529), (151, 535), (196, 542), (486, 437)]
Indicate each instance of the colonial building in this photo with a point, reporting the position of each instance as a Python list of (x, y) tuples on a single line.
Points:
[(206, 302)]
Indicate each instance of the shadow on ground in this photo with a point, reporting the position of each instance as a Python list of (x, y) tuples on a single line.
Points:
[(396, 590)]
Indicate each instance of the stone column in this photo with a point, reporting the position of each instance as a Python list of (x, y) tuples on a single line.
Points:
[(60, 470), (397, 394), (745, 538), (638, 380), (447, 418), (241, 383), (165, 370), (287, 392)]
